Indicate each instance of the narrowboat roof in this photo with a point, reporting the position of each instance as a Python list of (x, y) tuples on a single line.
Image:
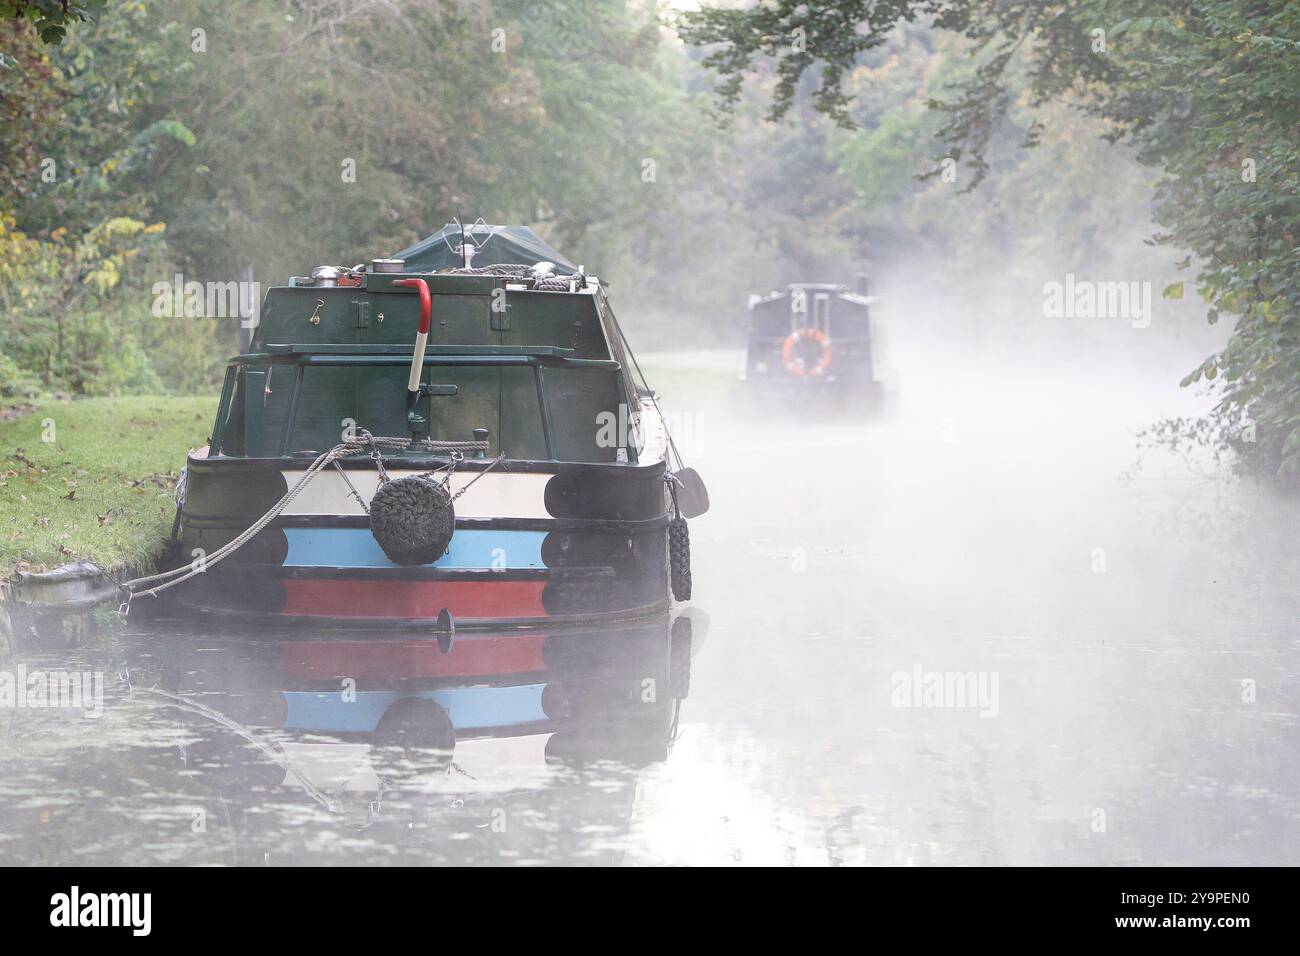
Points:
[(471, 312), (836, 289)]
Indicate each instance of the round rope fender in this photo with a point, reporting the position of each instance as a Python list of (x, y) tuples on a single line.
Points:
[(412, 518), (794, 363)]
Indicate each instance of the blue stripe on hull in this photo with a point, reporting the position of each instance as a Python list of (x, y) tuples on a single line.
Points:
[(469, 708), (470, 549)]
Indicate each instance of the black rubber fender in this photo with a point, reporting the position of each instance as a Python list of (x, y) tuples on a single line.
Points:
[(679, 558)]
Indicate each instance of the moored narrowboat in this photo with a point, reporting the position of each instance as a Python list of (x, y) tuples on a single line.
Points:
[(817, 339), (480, 397)]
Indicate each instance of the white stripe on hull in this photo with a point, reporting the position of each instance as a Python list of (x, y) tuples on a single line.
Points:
[(494, 495)]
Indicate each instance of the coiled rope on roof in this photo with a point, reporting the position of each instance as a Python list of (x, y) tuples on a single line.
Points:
[(526, 274)]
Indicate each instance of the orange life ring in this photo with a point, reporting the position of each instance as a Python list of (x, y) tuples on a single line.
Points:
[(795, 365)]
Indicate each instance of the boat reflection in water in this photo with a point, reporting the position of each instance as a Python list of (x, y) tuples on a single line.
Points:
[(504, 744)]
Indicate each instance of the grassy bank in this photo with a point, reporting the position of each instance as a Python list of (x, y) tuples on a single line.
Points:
[(93, 478)]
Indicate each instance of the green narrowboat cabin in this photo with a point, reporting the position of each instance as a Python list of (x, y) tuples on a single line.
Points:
[(477, 386)]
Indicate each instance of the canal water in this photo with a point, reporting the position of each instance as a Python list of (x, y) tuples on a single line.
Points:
[(982, 628)]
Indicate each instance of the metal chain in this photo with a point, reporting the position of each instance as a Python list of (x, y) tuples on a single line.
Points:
[(352, 488), (495, 461), (378, 459), (450, 468)]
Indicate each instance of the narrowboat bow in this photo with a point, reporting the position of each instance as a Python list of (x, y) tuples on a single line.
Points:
[(523, 471)]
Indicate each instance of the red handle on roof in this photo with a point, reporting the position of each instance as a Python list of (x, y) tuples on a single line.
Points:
[(426, 304)]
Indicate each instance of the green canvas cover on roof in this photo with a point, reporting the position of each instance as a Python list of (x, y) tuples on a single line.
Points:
[(496, 245)]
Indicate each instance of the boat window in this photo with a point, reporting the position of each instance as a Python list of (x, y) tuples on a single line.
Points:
[(586, 424), (336, 401), (822, 312), (852, 320), (771, 319), (259, 407), (501, 399), (617, 350)]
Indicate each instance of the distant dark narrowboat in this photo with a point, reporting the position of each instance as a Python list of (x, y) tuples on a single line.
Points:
[(816, 338), (505, 367)]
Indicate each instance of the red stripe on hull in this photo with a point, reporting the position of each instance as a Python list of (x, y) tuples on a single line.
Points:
[(413, 599), (473, 657)]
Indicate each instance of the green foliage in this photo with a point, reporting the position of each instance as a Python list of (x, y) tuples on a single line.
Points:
[(51, 18), (335, 132), (15, 381), (800, 37), (28, 105), (114, 123), (1074, 204), (61, 300), (77, 240)]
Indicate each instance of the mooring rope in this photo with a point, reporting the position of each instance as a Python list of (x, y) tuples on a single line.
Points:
[(360, 445), (274, 751)]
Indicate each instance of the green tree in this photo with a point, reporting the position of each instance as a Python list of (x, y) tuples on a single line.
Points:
[(29, 104), (50, 18), (77, 223)]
